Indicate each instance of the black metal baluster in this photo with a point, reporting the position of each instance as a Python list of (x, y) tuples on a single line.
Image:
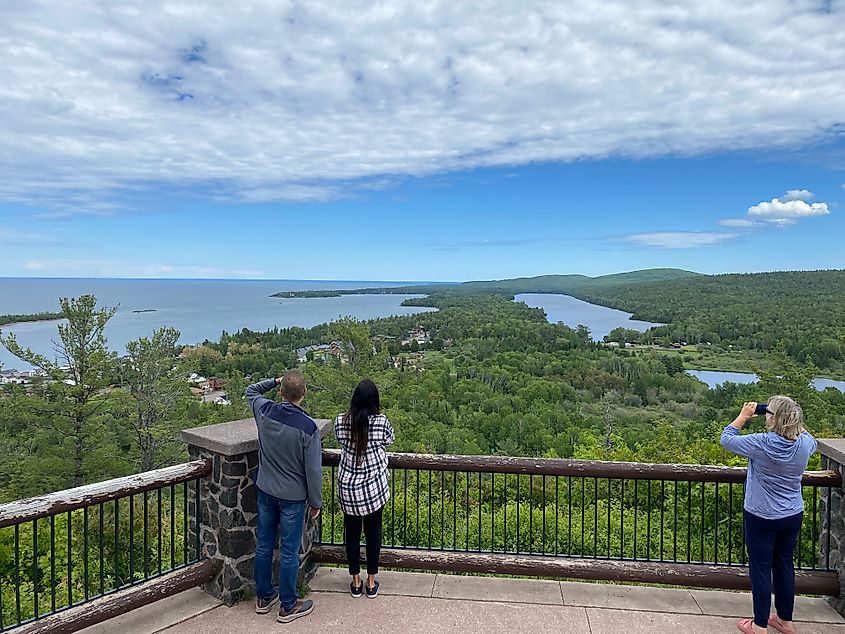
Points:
[(35, 567), (636, 514), (417, 484), (716, 527), (53, 563), (492, 512), (466, 513), (442, 509), (815, 537), (827, 550), (85, 548), (595, 517), (662, 514), (702, 522), (583, 485), (479, 511), (622, 520), (648, 524), (18, 574), (608, 516), (405, 507), (334, 510), (517, 513), (69, 560), (392, 506), (530, 513), (173, 530), (184, 524), (689, 521), (146, 531), (505, 514), (800, 531), (675, 522), (102, 549), (429, 510), (158, 502), (132, 533), (730, 523), (544, 515), (117, 577), (569, 515), (454, 510), (184, 528), (198, 536), (557, 513)]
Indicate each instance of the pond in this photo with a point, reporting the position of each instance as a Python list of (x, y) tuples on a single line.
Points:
[(717, 377)]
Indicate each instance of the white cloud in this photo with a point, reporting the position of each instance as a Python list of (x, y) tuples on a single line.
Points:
[(285, 101), (736, 222), (787, 212), (108, 268), (679, 239), (798, 194)]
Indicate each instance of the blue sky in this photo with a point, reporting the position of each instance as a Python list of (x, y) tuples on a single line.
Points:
[(424, 142)]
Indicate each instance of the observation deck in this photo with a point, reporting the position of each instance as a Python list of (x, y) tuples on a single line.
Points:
[(107, 550)]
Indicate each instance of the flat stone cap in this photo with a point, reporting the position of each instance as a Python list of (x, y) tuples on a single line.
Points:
[(235, 437), (833, 448)]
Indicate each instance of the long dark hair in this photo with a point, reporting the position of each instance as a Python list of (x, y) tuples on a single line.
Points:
[(365, 403)]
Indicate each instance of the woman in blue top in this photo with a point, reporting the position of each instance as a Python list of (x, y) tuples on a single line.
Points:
[(774, 506)]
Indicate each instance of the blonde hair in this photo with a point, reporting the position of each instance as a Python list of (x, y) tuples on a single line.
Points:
[(787, 417)]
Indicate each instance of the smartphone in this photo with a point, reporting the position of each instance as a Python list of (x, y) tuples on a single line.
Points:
[(761, 409)]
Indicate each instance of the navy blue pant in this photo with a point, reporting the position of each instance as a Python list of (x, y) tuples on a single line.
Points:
[(771, 544)]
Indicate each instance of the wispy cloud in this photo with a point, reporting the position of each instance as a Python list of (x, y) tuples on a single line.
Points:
[(739, 223), (679, 239), (282, 101), (109, 268)]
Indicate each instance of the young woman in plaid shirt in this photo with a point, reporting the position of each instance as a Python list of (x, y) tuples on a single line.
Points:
[(362, 483)]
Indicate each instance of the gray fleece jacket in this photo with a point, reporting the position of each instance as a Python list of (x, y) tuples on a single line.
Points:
[(289, 450)]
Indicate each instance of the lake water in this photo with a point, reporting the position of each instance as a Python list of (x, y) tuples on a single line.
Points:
[(599, 319), (199, 309), (714, 378)]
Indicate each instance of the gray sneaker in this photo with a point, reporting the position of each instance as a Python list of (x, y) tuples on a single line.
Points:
[(262, 606), (302, 608)]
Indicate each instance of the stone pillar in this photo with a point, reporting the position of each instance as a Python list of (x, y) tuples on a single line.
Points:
[(228, 510), (833, 532)]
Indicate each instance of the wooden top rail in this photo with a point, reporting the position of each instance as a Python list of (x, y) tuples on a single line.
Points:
[(80, 497), (579, 468)]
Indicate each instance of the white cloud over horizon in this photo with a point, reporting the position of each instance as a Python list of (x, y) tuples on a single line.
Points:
[(787, 211), (105, 102), (81, 267), (679, 239)]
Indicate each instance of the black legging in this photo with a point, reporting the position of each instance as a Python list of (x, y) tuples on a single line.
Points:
[(352, 533)]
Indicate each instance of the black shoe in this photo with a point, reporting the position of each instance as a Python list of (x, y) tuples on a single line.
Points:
[(357, 591), (302, 608), (262, 606), (372, 593)]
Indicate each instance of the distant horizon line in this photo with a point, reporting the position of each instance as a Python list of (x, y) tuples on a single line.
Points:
[(406, 282)]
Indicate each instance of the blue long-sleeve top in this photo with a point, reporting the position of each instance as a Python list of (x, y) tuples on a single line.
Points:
[(775, 467)]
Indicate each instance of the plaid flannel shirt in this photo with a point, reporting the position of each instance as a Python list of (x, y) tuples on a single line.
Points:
[(363, 488)]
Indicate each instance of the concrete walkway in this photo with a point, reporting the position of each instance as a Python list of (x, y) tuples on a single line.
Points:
[(433, 603)]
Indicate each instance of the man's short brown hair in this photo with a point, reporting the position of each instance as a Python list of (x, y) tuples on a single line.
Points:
[(292, 386)]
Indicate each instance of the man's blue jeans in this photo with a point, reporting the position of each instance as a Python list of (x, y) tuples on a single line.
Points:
[(288, 518)]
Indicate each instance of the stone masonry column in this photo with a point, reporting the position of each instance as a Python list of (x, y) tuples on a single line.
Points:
[(833, 532), (227, 505)]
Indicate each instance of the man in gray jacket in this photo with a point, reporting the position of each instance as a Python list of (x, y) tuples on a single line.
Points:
[(290, 474)]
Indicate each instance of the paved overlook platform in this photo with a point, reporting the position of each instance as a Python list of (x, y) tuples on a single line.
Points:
[(435, 603)]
